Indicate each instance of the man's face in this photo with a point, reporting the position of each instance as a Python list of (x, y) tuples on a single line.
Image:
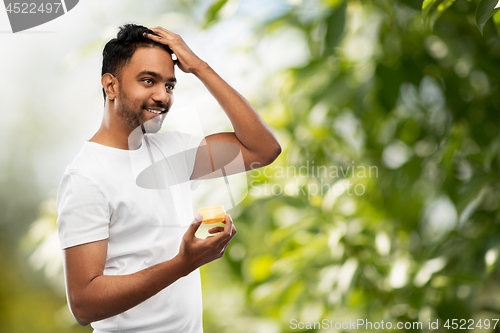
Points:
[(145, 89)]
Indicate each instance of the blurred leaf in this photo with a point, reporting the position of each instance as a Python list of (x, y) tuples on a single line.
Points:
[(496, 21), (390, 80), (428, 8), (433, 9), (259, 268), (333, 3), (442, 7), (445, 5), (335, 26), (484, 11), (213, 11)]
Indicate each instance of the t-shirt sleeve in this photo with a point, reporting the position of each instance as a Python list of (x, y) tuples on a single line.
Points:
[(83, 210)]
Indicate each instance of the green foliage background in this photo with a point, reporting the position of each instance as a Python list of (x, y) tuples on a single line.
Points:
[(419, 103), (378, 82)]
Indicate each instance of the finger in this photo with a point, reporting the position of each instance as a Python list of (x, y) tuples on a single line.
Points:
[(159, 29), (230, 237), (228, 228), (192, 229), (151, 36), (162, 31), (234, 231), (225, 236), (215, 230), (162, 40), (194, 225), (155, 35)]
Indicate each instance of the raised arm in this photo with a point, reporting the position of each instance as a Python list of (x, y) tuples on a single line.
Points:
[(253, 136), (93, 296)]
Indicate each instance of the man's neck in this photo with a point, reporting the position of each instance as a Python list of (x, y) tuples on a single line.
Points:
[(114, 133)]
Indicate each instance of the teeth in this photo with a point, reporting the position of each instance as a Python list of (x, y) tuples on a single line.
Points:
[(154, 111)]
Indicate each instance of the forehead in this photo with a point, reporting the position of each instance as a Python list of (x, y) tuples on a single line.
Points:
[(153, 59)]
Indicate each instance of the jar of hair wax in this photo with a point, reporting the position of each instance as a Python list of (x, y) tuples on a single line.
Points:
[(213, 214)]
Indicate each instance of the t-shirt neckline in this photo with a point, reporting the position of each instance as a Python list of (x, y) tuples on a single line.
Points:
[(116, 151)]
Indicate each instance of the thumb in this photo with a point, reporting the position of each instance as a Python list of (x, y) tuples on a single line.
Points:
[(195, 225)]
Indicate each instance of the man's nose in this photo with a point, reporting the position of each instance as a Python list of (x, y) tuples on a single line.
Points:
[(160, 95)]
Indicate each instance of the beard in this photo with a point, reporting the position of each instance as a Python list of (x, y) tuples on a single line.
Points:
[(135, 116)]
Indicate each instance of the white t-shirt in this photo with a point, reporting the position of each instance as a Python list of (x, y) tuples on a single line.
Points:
[(105, 194)]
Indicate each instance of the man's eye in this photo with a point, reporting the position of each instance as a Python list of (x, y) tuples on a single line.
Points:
[(170, 87), (148, 81)]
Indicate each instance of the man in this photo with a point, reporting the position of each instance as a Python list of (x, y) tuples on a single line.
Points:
[(131, 260)]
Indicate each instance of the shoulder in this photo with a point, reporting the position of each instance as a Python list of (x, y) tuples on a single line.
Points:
[(76, 181), (84, 171), (97, 161), (86, 157)]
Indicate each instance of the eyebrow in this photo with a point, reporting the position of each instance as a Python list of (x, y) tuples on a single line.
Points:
[(156, 76)]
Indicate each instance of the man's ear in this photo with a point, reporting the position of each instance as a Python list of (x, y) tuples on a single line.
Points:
[(109, 83)]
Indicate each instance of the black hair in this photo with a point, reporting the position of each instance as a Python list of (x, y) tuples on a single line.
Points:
[(120, 50)]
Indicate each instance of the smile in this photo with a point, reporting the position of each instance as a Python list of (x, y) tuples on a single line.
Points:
[(155, 111)]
